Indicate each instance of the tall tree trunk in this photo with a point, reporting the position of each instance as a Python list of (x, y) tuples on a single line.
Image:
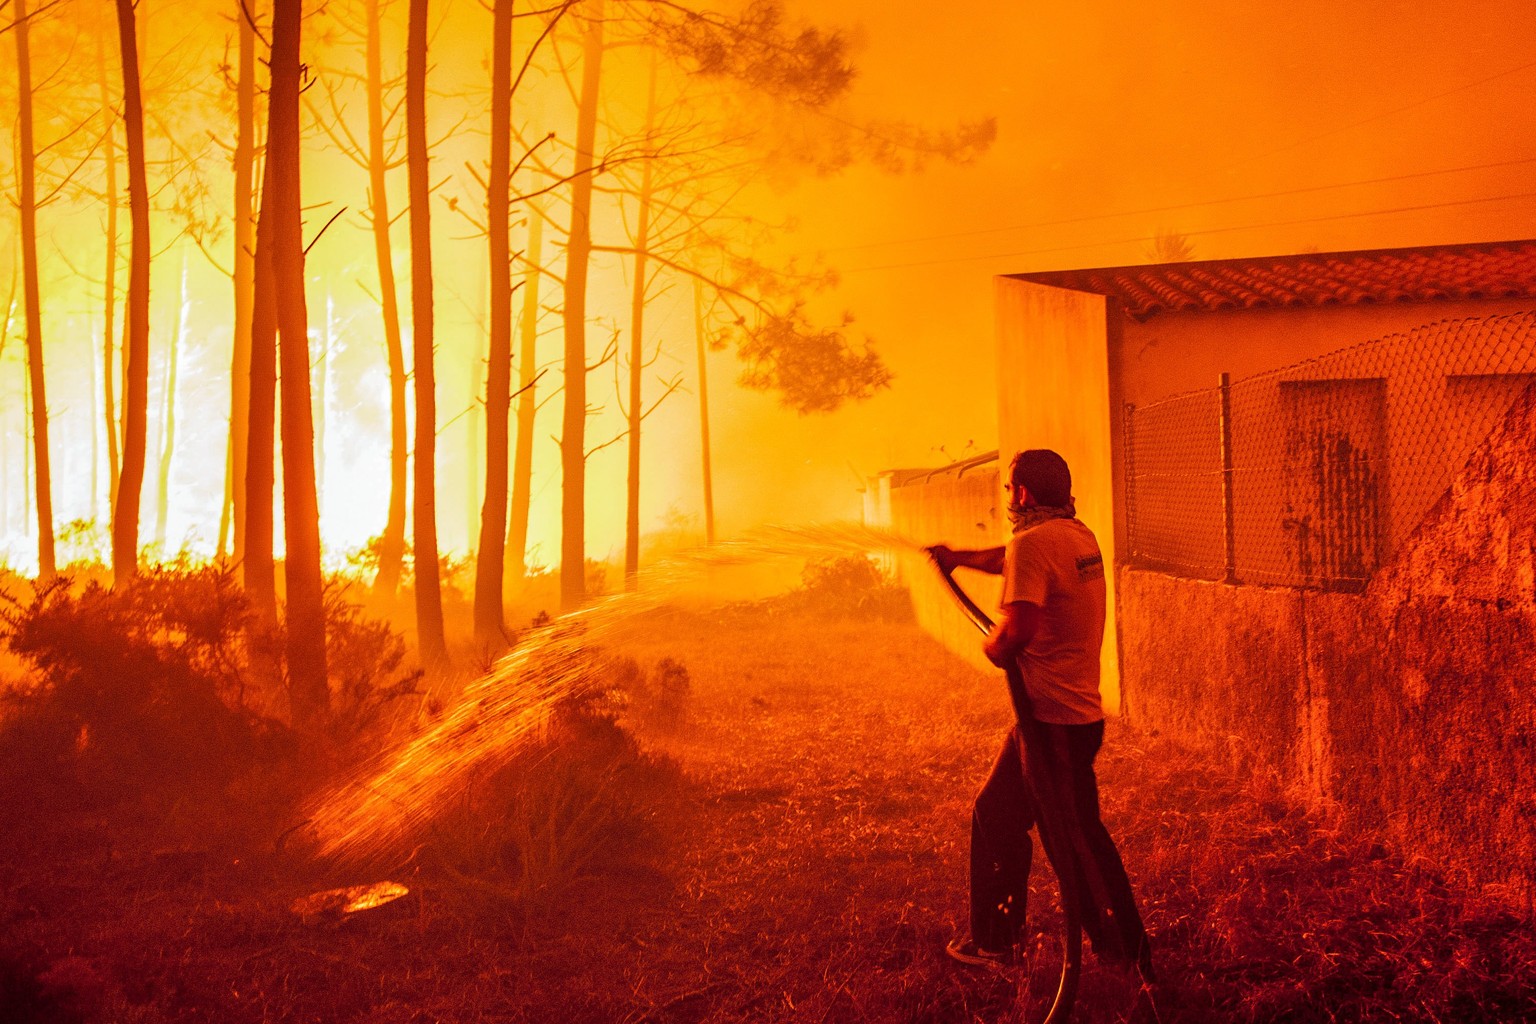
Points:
[(109, 328), (490, 555), (527, 403), (95, 448), (392, 543), (245, 284), (28, 505), (260, 569), (168, 417), (578, 253), (125, 513), (429, 602), (322, 391), (637, 356), (473, 414), (308, 694), (700, 334), (5, 469), (5, 474), (5, 448), (32, 299)]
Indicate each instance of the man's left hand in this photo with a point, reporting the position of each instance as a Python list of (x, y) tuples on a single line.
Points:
[(994, 650)]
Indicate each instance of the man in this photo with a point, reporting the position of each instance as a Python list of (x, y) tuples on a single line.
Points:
[(1051, 627)]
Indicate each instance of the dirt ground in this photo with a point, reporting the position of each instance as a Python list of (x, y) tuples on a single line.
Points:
[(808, 867)]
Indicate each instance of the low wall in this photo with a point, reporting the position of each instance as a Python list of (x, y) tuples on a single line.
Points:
[(1409, 707), (961, 506)]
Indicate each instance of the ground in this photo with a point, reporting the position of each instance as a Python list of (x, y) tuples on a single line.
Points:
[(807, 865)]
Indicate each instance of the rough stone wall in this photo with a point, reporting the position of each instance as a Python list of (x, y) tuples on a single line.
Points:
[(1408, 707), (1215, 665)]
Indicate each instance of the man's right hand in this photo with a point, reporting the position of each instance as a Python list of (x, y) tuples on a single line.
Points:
[(989, 560), (943, 557)]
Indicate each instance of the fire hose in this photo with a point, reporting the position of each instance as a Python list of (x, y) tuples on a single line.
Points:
[(1055, 819)]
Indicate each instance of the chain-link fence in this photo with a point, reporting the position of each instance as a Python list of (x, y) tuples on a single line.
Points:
[(1312, 474)]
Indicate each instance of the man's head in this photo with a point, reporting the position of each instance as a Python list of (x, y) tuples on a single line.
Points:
[(1044, 476)]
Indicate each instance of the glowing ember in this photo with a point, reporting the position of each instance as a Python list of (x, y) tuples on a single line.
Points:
[(350, 900), (395, 797)]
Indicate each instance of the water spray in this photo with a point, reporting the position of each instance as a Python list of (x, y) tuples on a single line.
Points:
[(393, 798)]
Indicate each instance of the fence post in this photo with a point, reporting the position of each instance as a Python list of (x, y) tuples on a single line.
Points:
[(1128, 432), (1228, 515)]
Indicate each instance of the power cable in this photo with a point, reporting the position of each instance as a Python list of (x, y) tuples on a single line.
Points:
[(1377, 117), (1182, 206), (1192, 234)]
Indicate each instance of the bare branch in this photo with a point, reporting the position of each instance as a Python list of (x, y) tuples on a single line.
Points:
[(560, 13), (686, 271), (611, 352), (321, 234), (251, 21), (31, 15), (197, 240)]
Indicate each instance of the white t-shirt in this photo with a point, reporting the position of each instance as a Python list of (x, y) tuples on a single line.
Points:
[(1056, 565)]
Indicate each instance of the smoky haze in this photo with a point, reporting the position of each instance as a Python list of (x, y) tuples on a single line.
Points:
[(1265, 128)]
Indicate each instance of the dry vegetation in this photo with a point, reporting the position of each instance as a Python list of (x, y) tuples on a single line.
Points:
[(762, 815)]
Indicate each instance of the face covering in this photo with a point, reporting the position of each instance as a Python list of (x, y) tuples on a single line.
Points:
[(1023, 517)]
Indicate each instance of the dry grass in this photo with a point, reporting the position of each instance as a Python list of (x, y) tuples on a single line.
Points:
[(813, 862)]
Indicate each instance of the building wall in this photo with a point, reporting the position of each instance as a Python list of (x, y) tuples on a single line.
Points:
[(1054, 392), (1407, 706), (1337, 457), (1176, 352), (959, 506)]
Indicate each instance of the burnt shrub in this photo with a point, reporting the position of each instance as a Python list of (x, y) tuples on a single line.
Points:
[(838, 587), (671, 690), (585, 801), (660, 697), (365, 659), (846, 587), (656, 698), (132, 688)]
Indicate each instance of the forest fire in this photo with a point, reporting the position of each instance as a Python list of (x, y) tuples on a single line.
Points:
[(395, 396)]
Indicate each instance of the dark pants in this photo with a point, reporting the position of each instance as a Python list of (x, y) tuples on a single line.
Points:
[(1001, 847)]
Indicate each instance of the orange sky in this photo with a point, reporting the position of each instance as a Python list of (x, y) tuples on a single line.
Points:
[(1115, 121)]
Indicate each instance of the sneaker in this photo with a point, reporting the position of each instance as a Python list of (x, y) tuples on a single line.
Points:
[(966, 951)]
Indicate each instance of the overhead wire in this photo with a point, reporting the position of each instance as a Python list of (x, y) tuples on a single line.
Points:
[(1087, 218), (1193, 234), (1246, 160), (1378, 116)]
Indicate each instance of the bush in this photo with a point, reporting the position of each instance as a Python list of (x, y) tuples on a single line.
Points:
[(855, 587), (147, 687), (660, 698), (364, 658), (583, 802), (139, 686), (846, 587)]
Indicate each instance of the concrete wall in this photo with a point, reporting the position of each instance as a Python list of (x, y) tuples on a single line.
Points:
[(1177, 352), (961, 506), (1054, 392), (1409, 706)]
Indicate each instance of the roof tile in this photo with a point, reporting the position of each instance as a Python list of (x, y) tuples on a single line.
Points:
[(1483, 270)]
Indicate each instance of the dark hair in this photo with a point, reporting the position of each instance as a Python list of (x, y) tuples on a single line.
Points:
[(1045, 474)]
